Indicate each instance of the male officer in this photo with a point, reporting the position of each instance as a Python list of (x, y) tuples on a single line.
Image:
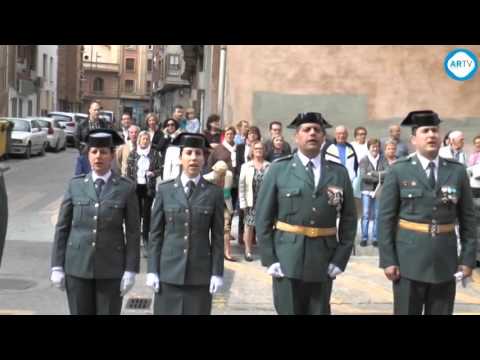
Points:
[(423, 197), (185, 262), (93, 256), (301, 197), (3, 211)]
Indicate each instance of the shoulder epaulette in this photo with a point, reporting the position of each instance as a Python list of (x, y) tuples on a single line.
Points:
[(81, 176), (452, 161), (166, 181), (286, 157)]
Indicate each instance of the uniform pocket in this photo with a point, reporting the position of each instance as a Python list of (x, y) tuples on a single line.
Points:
[(289, 200), (409, 197), (113, 210), (80, 208)]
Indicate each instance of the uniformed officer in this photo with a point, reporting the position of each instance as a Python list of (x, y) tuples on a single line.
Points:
[(423, 197), (96, 252), (3, 211), (185, 261), (302, 196)]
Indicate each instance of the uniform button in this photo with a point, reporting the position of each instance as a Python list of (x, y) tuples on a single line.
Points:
[(94, 231), (185, 237), (97, 205), (93, 244), (288, 195), (185, 251), (312, 222), (314, 196), (434, 221), (95, 217), (434, 208), (186, 210), (314, 209), (186, 224)]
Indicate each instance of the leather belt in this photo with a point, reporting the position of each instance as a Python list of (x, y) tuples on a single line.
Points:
[(427, 228), (306, 230)]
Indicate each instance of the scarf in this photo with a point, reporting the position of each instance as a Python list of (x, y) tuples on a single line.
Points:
[(232, 150), (143, 164)]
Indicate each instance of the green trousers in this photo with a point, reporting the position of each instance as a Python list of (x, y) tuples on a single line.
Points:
[(182, 300), (412, 297), (296, 297), (93, 296)]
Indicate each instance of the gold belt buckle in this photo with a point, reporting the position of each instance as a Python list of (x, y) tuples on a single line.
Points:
[(311, 232)]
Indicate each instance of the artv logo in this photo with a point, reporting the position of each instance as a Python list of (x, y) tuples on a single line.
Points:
[(461, 64)]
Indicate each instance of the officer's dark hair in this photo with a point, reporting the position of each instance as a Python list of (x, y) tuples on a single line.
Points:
[(274, 123), (357, 129), (322, 129), (205, 152), (231, 128), (212, 118), (112, 149)]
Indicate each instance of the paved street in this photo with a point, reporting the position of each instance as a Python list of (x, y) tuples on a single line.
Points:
[(35, 189)]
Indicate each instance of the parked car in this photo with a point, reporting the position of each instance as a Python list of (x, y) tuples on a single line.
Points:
[(70, 121), (109, 117), (27, 137), (55, 133)]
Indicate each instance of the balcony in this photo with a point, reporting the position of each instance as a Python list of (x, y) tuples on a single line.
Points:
[(99, 66)]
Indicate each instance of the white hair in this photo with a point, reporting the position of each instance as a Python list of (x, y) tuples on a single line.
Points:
[(455, 134)]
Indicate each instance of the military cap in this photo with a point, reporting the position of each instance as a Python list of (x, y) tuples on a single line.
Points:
[(192, 140), (309, 117), (103, 138), (421, 118)]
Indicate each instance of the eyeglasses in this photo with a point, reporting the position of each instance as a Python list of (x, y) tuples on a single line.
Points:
[(361, 134)]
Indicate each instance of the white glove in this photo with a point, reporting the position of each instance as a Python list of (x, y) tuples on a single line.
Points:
[(216, 282), (333, 271), (57, 278), (153, 282), (275, 270), (128, 280)]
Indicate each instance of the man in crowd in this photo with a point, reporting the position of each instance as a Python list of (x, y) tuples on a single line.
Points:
[(342, 152)]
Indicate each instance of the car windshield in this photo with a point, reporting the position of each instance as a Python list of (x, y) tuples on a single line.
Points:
[(44, 123), (21, 125), (62, 118)]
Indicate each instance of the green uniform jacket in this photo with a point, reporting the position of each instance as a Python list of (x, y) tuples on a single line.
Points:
[(186, 238), (407, 195), (90, 241), (287, 196), (3, 213)]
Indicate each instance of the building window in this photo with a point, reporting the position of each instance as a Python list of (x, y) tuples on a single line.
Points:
[(50, 74), (98, 85), (30, 108), (149, 65), (150, 47), (130, 65), (129, 86), (149, 87), (44, 66), (14, 107), (173, 63), (131, 47), (20, 107)]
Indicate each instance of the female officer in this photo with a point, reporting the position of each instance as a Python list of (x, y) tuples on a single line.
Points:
[(93, 257), (185, 262)]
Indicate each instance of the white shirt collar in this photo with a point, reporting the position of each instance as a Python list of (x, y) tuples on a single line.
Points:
[(424, 161), (317, 160), (185, 179), (105, 177)]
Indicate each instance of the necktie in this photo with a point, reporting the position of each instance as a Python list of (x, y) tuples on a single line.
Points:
[(457, 156), (190, 188), (431, 174), (98, 186), (311, 176)]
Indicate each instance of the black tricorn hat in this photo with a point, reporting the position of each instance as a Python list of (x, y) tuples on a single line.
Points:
[(192, 140), (104, 138), (421, 118), (309, 117)]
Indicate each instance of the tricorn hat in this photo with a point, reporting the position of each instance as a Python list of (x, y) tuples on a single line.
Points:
[(421, 118), (309, 117), (104, 138), (192, 140)]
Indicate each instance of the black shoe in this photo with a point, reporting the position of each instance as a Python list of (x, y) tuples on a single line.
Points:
[(229, 258), (375, 243), (363, 243), (248, 257)]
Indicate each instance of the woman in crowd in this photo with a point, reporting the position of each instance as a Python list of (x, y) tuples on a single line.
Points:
[(474, 158), (192, 124), (251, 177), (277, 148), (143, 167), (213, 132), (372, 172), (156, 134), (390, 152)]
